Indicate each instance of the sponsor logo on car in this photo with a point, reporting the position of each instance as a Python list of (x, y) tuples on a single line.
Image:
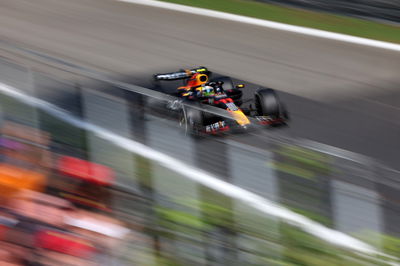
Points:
[(215, 126)]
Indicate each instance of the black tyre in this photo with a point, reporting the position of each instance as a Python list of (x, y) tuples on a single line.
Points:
[(191, 121), (267, 103)]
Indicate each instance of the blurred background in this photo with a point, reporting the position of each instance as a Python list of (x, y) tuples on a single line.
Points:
[(386, 11), (94, 171)]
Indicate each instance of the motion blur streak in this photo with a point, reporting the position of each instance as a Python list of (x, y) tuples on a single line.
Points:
[(268, 24), (201, 177)]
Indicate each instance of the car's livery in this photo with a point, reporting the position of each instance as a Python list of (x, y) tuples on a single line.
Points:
[(221, 93)]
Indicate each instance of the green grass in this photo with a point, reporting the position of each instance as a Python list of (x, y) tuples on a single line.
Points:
[(323, 21)]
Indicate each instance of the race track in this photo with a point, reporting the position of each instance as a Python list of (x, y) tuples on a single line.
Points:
[(340, 94)]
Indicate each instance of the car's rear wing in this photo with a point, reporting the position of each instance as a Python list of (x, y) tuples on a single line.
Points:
[(181, 74)]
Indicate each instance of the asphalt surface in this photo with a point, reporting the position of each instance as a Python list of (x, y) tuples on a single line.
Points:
[(340, 94)]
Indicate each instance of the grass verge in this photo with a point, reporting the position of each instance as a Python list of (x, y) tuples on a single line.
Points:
[(299, 17)]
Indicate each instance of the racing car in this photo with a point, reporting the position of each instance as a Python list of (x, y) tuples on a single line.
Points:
[(197, 90)]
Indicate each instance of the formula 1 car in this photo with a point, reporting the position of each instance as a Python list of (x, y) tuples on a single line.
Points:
[(221, 93)]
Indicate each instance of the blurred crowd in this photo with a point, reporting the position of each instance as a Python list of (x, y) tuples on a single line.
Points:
[(54, 209)]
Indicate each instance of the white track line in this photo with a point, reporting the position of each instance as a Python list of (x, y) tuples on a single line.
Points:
[(268, 24), (261, 204)]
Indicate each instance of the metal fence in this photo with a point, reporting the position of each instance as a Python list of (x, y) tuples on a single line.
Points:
[(338, 189)]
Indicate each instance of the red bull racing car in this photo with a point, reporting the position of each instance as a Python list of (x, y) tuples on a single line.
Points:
[(265, 107)]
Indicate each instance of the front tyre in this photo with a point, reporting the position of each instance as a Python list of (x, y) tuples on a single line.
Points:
[(267, 103)]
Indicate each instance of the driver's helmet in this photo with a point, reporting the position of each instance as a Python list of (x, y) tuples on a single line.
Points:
[(207, 91)]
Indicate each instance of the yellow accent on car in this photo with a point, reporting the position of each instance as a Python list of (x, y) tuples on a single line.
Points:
[(202, 78), (240, 117)]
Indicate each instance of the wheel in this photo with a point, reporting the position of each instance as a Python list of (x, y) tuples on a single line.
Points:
[(191, 121), (267, 103)]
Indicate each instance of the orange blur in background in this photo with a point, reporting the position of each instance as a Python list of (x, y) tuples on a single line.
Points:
[(53, 208)]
